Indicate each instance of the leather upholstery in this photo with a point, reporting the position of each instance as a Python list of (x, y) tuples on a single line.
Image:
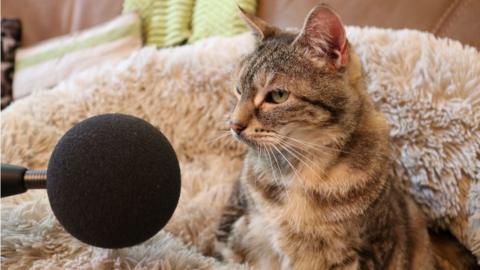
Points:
[(457, 19), (43, 19)]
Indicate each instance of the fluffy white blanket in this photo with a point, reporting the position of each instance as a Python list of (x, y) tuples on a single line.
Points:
[(428, 88)]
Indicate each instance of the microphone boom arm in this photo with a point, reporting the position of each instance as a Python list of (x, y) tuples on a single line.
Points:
[(16, 179), (35, 179)]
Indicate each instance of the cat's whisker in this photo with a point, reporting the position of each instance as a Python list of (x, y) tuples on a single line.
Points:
[(323, 147), (276, 176), (296, 154), (286, 148), (270, 162), (222, 130), (295, 171), (223, 135), (259, 155), (259, 160), (290, 151), (280, 171), (307, 144), (277, 182), (297, 150)]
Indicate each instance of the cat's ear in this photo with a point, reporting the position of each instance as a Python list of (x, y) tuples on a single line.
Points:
[(324, 35), (261, 29)]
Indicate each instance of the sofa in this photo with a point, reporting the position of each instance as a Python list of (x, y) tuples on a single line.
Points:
[(456, 19), (428, 87)]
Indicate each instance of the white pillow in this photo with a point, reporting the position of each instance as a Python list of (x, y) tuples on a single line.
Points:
[(44, 65)]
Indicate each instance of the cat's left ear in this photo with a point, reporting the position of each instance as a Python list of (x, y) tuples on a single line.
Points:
[(261, 29), (324, 35)]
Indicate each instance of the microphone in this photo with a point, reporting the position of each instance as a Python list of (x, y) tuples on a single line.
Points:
[(112, 180)]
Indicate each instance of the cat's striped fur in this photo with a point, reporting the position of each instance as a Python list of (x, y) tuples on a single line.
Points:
[(314, 192)]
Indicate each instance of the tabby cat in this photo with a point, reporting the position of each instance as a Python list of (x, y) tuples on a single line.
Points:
[(314, 192)]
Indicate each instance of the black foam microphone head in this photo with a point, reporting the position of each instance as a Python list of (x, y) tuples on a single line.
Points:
[(113, 181)]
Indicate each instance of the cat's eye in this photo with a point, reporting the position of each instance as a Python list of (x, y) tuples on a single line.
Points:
[(238, 91), (277, 96)]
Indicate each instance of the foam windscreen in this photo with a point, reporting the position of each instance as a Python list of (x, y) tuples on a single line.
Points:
[(113, 181)]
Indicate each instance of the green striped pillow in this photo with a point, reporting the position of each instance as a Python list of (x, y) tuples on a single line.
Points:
[(219, 18), (165, 23), (173, 22), (44, 65)]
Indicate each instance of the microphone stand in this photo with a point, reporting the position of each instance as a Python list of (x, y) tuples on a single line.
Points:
[(16, 179)]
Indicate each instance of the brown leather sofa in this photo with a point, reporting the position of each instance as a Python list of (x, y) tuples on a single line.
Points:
[(456, 19)]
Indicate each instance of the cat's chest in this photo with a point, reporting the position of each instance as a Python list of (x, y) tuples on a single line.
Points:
[(285, 199), (282, 197), (293, 215), (297, 225)]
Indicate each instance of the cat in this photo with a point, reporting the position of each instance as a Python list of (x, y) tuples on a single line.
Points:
[(314, 191)]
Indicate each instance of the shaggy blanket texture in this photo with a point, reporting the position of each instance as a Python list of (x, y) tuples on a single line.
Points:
[(428, 88)]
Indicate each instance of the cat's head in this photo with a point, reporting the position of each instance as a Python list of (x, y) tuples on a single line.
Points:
[(297, 87)]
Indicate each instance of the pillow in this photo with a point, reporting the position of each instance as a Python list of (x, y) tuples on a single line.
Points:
[(165, 23), (219, 18), (11, 36), (46, 64), (174, 22)]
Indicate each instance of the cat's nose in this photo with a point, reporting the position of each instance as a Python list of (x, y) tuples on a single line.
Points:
[(237, 127)]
